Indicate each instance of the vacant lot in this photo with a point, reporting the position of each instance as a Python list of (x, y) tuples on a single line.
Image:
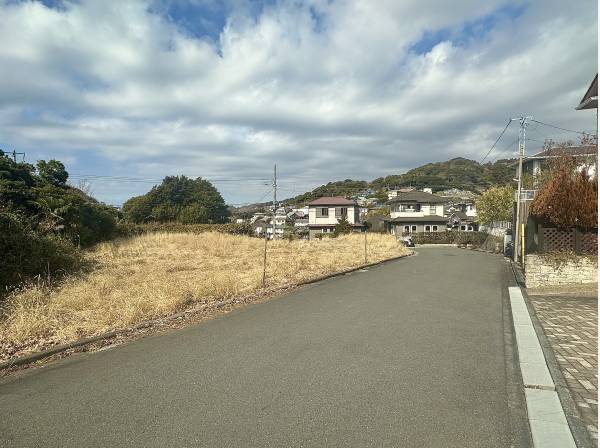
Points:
[(160, 274)]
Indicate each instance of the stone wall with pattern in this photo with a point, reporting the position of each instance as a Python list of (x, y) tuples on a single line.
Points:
[(548, 270)]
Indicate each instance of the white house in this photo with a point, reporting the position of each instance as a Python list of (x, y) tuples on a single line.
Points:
[(281, 220), (324, 213), (416, 212), (585, 156)]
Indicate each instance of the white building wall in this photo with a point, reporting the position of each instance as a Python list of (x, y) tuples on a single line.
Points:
[(426, 210), (331, 219)]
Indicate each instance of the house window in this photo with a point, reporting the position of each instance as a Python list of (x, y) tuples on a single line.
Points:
[(432, 209), (406, 229), (322, 212), (435, 228), (410, 208), (414, 228), (470, 228), (462, 227), (427, 228), (341, 212)]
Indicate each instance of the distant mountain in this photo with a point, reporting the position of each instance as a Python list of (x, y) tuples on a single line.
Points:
[(460, 173)]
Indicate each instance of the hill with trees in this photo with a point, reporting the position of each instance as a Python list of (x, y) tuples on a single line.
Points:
[(178, 199), (458, 173)]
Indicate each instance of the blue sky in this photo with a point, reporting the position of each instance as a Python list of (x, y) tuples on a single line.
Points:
[(127, 92)]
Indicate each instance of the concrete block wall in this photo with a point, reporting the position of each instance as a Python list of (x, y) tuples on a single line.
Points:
[(544, 271)]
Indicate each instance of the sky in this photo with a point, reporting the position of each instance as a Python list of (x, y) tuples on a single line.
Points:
[(125, 93)]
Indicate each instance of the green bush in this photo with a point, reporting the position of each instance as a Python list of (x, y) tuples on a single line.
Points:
[(126, 229), (450, 237), (178, 199), (27, 254)]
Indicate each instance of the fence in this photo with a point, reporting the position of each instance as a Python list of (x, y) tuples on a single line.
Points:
[(550, 239)]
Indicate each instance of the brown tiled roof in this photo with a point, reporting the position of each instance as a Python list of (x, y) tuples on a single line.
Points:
[(419, 196), (335, 200)]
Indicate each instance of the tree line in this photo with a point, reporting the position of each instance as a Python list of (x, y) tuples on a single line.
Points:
[(44, 221)]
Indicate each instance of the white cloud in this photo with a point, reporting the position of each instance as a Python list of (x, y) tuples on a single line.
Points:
[(328, 90)]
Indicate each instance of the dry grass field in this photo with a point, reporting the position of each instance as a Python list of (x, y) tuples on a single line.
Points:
[(159, 274)]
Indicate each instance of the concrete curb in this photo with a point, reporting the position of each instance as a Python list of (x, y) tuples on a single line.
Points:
[(517, 405), (436, 245), (27, 359), (560, 396)]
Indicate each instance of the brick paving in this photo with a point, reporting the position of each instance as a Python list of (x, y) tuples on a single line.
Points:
[(571, 325)]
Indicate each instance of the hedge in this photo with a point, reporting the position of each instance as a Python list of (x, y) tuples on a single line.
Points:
[(126, 229), (450, 237)]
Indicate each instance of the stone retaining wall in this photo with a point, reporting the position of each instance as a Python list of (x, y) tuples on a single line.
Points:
[(556, 270)]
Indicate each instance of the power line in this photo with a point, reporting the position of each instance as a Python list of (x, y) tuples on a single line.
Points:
[(497, 140), (558, 127)]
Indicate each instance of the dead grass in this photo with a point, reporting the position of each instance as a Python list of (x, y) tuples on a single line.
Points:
[(159, 274)]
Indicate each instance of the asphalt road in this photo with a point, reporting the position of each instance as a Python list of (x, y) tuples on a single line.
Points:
[(408, 354)]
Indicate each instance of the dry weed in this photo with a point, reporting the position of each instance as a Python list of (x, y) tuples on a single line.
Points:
[(155, 275)]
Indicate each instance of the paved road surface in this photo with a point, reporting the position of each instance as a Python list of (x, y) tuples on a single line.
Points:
[(408, 354)]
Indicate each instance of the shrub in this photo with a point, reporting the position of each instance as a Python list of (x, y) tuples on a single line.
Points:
[(568, 200), (27, 254), (450, 237), (127, 229), (343, 227)]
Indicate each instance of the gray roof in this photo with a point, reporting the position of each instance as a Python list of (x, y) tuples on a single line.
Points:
[(424, 219), (573, 150), (419, 196), (590, 99), (460, 215)]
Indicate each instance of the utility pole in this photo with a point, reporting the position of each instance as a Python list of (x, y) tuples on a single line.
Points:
[(518, 236), (365, 246), (15, 154), (274, 196), (264, 277)]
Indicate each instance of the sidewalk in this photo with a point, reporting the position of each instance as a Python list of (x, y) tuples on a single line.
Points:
[(570, 324)]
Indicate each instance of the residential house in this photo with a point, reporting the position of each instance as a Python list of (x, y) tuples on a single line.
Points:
[(259, 227), (324, 213), (281, 222), (456, 193), (459, 220), (585, 155), (461, 215), (416, 212), (394, 192)]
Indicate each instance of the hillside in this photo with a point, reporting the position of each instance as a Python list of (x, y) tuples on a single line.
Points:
[(455, 173), (459, 173)]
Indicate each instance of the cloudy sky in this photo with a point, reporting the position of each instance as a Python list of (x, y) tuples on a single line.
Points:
[(126, 92)]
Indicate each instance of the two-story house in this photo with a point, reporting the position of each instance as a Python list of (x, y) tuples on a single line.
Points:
[(281, 221), (461, 215), (324, 213), (416, 212)]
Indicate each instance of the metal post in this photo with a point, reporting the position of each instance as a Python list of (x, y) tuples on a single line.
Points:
[(274, 197), (365, 246), (264, 278), (523, 245)]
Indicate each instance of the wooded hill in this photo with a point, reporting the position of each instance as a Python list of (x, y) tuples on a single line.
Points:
[(458, 173)]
